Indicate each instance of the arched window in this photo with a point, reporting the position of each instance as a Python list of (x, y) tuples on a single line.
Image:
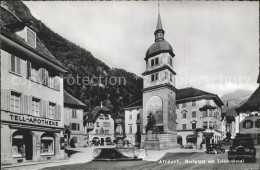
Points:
[(18, 146), (154, 106), (47, 144)]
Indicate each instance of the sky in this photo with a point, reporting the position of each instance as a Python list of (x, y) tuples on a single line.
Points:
[(216, 44)]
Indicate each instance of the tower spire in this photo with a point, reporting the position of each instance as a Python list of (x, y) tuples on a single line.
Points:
[(159, 32)]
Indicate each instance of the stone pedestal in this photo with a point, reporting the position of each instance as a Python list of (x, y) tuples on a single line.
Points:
[(151, 141)]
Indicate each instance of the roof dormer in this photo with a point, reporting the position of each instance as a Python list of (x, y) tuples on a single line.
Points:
[(26, 31)]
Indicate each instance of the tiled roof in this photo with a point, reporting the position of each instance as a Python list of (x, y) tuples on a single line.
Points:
[(96, 111), (252, 104), (70, 100), (7, 18), (191, 92)]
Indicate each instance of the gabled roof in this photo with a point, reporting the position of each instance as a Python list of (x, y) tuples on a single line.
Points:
[(193, 93), (91, 117), (252, 104), (7, 19), (72, 101)]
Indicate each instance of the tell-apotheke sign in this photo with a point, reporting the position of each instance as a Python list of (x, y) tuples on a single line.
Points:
[(30, 120)]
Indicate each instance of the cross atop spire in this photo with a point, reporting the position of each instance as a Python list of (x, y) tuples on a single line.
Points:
[(159, 32)]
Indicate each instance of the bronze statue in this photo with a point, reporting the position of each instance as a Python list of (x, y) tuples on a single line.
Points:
[(151, 125)]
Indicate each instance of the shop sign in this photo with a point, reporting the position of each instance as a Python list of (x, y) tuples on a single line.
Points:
[(34, 120)]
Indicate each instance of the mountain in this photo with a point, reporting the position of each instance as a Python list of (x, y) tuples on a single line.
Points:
[(236, 97), (81, 63)]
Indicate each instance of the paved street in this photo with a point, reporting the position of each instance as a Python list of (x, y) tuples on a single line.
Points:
[(181, 157), (155, 160)]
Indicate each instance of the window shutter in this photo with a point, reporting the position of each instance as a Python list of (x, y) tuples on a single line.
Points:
[(46, 77), (22, 104), (44, 108), (40, 75), (3, 99), (29, 69), (78, 126), (56, 112), (40, 109), (7, 98), (59, 112), (18, 67), (57, 83), (26, 104), (252, 124), (30, 106)]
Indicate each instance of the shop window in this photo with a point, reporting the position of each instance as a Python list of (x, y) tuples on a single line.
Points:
[(15, 102), (47, 144), (15, 64), (18, 146), (35, 106)]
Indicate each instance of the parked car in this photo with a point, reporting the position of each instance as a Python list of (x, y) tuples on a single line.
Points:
[(242, 148), (215, 149)]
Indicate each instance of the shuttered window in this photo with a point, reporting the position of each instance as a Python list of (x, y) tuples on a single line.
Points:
[(36, 107), (51, 110), (74, 126), (15, 102), (15, 64), (74, 113)]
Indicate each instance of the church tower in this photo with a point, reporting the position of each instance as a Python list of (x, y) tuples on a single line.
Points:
[(159, 92)]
